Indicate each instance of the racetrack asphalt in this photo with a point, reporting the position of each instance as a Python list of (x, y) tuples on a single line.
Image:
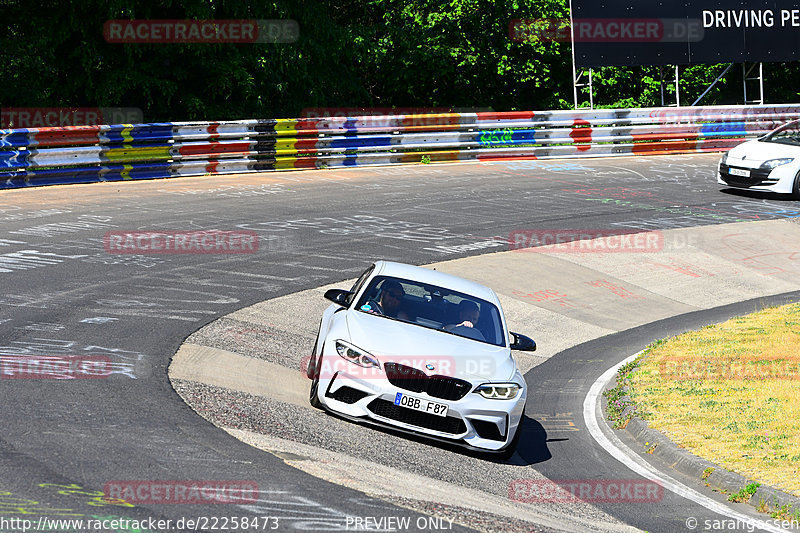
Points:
[(66, 295), (273, 345)]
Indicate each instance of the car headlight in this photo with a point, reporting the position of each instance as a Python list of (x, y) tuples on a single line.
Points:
[(498, 391), (356, 355), (724, 160), (772, 163)]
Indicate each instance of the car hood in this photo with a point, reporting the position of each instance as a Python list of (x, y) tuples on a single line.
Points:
[(753, 153), (416, 346)]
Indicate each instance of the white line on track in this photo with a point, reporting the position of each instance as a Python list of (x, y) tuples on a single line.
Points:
[(622, 453)]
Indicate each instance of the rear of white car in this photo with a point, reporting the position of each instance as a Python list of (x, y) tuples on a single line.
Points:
[(412, 374)]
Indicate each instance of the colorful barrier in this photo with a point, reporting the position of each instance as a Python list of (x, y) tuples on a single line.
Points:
[(80, 154)]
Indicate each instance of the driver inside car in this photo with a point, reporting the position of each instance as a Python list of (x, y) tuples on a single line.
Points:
[(390, 301)]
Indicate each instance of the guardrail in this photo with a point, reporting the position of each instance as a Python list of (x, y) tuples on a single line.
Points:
[(80, 154)]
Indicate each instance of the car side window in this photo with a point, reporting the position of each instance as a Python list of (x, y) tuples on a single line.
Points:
[(359, 283)]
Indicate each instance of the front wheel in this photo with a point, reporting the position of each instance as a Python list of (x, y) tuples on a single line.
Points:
[(312, 393), (312, 371), (312, 361), (796, 187)]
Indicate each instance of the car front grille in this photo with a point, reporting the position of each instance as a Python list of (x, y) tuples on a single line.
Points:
[(414, 380), (757, 177), (445, 424)]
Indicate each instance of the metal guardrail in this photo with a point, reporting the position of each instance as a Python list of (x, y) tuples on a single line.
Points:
[(80, 154)]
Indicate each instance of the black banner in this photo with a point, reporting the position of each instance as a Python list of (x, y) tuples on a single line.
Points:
[(680, 32)]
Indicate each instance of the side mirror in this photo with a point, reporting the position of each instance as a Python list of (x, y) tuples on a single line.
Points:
[(522, 343), (338, 296)]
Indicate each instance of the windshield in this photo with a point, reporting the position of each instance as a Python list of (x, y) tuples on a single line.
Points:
[(433, 307), (787, 134)]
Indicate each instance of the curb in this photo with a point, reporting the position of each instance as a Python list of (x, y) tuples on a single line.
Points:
[(721, 480)]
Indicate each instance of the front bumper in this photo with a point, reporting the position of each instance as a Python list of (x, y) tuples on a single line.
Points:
[(472, 421), (779, 179)]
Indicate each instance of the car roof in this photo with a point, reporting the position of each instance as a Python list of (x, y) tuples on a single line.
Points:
[(434, 277)]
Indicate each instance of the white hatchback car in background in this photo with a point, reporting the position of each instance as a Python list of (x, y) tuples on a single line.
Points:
[(422, 352), (769, 163)]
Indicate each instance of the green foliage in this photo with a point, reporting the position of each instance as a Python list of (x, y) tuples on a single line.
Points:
[(617, 399), (745, 493), (350, 53), (56, 55), (786, 512), (622, 87)]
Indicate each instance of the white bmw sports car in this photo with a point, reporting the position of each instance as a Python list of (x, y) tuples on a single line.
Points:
[(422, 352), (769, 163)]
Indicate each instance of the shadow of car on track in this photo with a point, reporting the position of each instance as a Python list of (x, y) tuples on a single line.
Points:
[(531, 448), (759, 195)]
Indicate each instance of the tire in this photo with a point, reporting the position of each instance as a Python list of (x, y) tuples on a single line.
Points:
[(796, 187), (313, 373), (312, 393), (310, 369)]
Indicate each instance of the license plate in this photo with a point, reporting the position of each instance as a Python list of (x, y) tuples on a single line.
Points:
[(739, 172), (418, 404)]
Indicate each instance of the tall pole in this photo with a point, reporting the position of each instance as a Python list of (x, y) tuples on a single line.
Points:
[(572, 47)]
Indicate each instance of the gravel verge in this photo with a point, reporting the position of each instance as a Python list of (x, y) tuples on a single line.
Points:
[(231, 409)]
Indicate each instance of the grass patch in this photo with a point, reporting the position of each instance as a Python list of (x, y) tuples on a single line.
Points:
[(726, 393), (785, 512), (745, 493), (619, 406)]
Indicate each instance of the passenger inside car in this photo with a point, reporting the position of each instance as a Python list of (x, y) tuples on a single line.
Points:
[(468, 316)]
